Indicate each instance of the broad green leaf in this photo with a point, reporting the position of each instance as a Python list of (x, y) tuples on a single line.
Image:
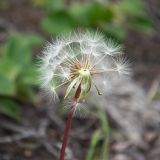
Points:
[(90, 13), (18, 48), (7, 86), (113, 30), (58, 23), (102, 14), (30, 75), (9, 68), (10, 109), (18, 51), (31, 39), (26, 82), (17, 67), (80, 13)]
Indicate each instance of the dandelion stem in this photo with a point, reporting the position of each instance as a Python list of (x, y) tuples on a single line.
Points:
[(66, 132), (68, 123)]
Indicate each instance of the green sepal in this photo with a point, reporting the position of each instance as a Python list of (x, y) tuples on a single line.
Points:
[(76, 80), (86, 85)]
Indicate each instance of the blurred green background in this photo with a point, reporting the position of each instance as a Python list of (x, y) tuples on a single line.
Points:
[(25, 26)]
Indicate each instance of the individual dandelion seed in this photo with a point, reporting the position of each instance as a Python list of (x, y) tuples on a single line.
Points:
[(74, 62)]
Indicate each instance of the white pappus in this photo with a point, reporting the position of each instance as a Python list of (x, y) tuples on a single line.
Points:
[(76, 60)]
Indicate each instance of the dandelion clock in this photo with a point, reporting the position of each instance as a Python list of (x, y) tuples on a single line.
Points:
[(73, 63)]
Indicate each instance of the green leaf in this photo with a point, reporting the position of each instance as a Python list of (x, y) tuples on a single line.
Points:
[(17, 51), (80, 13), (25, 82), (18, 48), (58, 23), (26, 93), (113, 30), (9, 69), (30, 75), (90, 13), (105, 128), (143, 24), (7, 86), (94, 140), (104, 122), (102, 14), (134, 8), (54, 5), (16, 65), (10, 109), (104, 150), (31, 39), (49, 5)]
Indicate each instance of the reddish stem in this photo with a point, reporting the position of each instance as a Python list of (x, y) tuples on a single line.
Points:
[(68, 123), (66, 132)]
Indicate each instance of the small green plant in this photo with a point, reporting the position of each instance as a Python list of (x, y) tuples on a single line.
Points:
[(94, 140), (102, 131), (113, 18), (17, 72)]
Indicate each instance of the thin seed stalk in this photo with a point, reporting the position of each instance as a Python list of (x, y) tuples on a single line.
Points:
[(68, 123)]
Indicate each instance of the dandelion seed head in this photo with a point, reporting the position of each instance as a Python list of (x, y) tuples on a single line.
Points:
[(77, 60)]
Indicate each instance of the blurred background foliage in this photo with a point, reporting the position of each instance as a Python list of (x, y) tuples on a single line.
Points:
[(18, 72), (113, 18)]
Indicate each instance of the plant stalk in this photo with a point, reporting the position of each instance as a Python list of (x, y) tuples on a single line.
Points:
[(68, 123)]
